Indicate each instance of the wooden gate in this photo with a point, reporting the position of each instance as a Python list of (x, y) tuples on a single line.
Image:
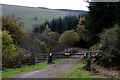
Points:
[(52, 56)]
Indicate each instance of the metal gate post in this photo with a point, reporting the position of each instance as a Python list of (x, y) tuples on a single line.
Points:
[(49, 58)]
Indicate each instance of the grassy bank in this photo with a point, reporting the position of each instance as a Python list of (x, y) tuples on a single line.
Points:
[(78, 72), (28, 14), (10, 72)]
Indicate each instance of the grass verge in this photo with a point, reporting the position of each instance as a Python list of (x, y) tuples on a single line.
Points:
[(10, 72), (79, 73)]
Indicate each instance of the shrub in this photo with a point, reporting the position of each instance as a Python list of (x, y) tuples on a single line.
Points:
[(51, 40), (110, 39), (110, 46), (22, 57), (7, 49), (69, 38), (42, 45)]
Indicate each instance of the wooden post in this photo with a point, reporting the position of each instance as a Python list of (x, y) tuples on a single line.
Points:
[(88, 60), (33, 58), (49, 58)]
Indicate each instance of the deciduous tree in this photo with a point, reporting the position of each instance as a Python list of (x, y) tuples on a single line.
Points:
[(14, 27), (8, 48), (69, 38)]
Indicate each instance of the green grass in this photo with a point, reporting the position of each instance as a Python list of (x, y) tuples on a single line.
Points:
[(79, 73), (58, 60), (0, 74), (27, 14), (75, 72), (10, 72)]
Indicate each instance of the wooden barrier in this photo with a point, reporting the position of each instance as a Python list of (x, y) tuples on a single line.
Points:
[(65, 55)]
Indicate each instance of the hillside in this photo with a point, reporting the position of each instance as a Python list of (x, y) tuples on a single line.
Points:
[(32, 15), (72, 11)]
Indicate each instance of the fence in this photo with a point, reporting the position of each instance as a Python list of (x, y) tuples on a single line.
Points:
[(52, 56)]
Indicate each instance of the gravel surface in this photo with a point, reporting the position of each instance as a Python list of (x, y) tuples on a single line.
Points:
[(51, 71)]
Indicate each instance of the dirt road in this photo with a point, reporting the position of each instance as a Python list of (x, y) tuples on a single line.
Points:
[(53, 71)]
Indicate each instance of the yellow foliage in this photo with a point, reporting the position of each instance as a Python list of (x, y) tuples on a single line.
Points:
[(80, 27), (82, 19), (47, 29)]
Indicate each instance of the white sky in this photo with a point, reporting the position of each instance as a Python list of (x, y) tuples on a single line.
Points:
[(53, 4)]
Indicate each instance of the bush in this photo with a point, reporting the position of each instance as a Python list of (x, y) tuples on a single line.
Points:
[(110, 46), (69, 38), (7, 49), (110, 39), (22, 57), (51, 40), (42, 45)]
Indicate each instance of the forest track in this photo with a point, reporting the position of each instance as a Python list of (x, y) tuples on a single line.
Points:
[(52, 71)]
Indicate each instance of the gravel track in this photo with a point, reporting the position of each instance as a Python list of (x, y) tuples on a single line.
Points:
[(51, 71)]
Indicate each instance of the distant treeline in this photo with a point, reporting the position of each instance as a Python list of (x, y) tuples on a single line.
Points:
[(59, 25)]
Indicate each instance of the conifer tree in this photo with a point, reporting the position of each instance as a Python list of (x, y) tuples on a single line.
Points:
[(80, 26)]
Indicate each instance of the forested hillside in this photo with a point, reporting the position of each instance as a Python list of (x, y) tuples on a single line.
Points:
[(33, 15)]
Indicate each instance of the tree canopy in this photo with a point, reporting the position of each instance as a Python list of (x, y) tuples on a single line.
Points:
[(101, 15), (7, 49), (42, 46), (14, 27), (69, 38)]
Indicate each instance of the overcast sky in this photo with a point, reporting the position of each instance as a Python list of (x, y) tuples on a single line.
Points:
[(53, 4)]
